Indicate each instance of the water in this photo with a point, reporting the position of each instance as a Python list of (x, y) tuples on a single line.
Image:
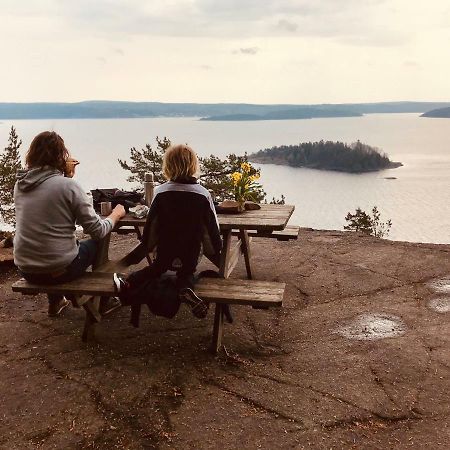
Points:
[(417, 201)]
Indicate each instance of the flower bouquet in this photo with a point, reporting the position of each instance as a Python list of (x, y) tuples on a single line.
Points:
[(245, 185)]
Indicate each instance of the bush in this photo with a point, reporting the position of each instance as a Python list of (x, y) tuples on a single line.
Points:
[(9, 165), (361, 221)]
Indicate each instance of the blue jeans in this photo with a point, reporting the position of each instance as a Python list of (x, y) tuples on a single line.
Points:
[(86, 254)]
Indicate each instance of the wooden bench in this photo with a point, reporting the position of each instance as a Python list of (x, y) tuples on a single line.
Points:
[(255, 293), (289, 233)]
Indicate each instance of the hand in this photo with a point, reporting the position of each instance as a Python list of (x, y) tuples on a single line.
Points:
[(118, 212)]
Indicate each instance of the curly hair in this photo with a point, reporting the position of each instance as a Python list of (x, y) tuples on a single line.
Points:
[(47, 149)]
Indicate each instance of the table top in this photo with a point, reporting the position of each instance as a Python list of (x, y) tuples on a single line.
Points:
[(268, 218)]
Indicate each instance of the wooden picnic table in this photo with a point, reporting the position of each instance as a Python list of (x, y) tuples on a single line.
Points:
[(269, 221), (264, 221)]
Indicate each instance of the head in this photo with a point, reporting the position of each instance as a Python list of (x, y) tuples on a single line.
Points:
[(47, 149), (180, 161)]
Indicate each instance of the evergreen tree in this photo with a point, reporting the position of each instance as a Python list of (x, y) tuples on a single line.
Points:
[(9, 165), (214, 171)]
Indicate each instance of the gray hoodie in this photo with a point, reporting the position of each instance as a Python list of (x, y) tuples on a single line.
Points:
[(47, 207)]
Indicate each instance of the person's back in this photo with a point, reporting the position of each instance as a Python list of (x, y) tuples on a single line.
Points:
[(48, 205), (181, 222), (185, 221)]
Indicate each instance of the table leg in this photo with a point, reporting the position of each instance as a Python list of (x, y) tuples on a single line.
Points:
[(92, 318), (218, 329), (139, 235), (92, 305), (245, 242), (219, 312)]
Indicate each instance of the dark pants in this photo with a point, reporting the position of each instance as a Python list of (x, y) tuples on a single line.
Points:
[(154, 271), (86, 254)]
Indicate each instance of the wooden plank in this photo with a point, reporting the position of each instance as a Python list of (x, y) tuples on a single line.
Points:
[(233, 259), (290, 232), (225, 254), (268, 218)]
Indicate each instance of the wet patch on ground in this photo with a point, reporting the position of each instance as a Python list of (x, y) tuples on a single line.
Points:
[(442, 286), (440, 304), (368, 327)]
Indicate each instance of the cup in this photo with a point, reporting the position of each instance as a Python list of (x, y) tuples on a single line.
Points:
[(71, 163), (105, 208)]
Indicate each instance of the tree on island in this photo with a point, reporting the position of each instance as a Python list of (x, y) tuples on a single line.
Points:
[(9, 165), (327, 155)]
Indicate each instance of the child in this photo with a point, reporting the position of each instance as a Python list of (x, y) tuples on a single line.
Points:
[(181, 223)]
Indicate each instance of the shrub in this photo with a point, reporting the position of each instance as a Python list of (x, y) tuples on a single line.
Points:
[(368, 224)]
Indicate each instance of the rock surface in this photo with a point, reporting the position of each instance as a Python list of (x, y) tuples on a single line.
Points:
[(288, 377)]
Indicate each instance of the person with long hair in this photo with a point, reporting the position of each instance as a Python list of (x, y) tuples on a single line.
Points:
[(49, 203)]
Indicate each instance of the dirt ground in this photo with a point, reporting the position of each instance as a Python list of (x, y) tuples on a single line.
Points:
[(358, 357)]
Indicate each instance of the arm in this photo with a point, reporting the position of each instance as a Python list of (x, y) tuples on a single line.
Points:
[(212, 241), (86, 216)]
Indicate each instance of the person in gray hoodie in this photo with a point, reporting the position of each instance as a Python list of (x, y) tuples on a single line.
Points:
[(48, 206)]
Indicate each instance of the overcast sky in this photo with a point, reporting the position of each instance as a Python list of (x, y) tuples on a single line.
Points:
[(257, 51)]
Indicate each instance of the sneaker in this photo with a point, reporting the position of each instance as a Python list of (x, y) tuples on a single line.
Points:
[(119, 283), (55, 308), (108, 305), (122, 289), (198, 306)]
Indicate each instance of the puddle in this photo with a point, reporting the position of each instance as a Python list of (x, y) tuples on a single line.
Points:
[(440, 304), (442, 286), (368, 327)]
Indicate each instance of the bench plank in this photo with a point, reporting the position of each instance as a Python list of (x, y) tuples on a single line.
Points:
[(214, 290)]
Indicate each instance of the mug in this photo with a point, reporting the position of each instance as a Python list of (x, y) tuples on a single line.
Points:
[(105, 208)]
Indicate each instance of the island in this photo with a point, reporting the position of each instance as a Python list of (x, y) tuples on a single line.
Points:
[(327, 155), (440, 112), (305, 112)]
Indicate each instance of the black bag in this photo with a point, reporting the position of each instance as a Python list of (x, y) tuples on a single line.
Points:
[(128, 199)]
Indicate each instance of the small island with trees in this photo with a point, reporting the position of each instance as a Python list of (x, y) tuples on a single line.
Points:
[(327, 155)]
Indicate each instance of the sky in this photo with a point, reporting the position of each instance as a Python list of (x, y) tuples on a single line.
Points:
[(208, 51)]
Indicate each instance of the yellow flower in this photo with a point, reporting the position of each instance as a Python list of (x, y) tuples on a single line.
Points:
[(236, 177), (246, 167)]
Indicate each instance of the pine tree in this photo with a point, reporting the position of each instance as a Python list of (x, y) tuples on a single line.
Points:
[(9, 165)]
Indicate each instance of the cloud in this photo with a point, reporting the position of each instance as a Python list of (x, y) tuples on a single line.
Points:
[(247, 50), (287, 25)]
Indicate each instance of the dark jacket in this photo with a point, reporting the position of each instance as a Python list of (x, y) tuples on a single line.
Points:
[(182, 223)]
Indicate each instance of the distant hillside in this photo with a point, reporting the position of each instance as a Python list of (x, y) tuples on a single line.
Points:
[(210, 111), (305, 112), (441, 112), (327, 155)]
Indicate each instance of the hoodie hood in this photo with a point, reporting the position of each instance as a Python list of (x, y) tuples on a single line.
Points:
[(27, 180)]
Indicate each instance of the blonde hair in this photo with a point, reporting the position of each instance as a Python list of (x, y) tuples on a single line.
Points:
[(180, 161)]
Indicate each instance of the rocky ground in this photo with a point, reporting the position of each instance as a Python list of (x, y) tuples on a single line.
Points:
[(358, 357)]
